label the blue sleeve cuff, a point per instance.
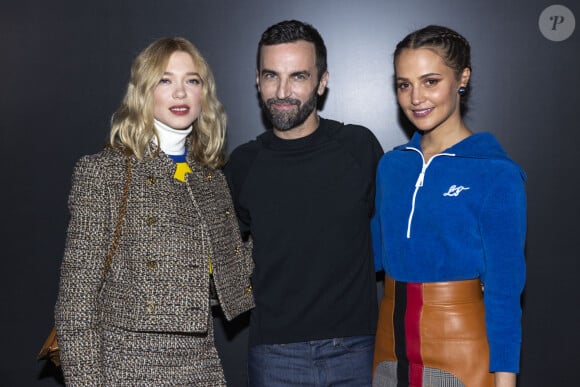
(504, 357)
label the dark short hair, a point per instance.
(289, 31)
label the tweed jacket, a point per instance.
(159, 277)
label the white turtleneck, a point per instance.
(172, 141)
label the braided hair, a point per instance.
(453, 48)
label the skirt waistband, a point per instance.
(450, 292)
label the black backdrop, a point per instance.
(65, 66)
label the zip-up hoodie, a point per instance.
(461, 215)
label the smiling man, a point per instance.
(304, 192)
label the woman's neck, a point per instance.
(171, 141)
(439, 139)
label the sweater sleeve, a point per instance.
(503, 231)
(376, 226)
(76, 311)
(236, 171)
(365, 147)
(377, 153)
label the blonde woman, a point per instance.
(146, 320)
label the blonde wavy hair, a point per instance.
(132, 125)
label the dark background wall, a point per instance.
(65, 66)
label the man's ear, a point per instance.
(322, 84)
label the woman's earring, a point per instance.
(462, 90)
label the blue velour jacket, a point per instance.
(461, 215)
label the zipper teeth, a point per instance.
(423, 169)
(412, 212)
(419, 183)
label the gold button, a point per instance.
(248, 289)
(227, 212)
(150, 307)
(236, 250)
(209, 176)
(152, 264)
(151, 180)
(151, 221)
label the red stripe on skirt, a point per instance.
(413, 333)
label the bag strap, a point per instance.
(121, 217)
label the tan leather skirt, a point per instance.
(432, 334)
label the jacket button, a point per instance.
(236, 250)
(151, 180)
(150, 307)
(248, 289)
(151, 221)
(152, 264)
(209, 176)
(227, 212)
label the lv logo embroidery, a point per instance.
(455, 190)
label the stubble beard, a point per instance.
(287, 120)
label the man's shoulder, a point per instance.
(244, 155)
(356, 138)
(350, 132)
(248, 150)
(260, 142)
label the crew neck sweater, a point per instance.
(307, 205)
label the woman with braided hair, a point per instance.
(146, 319)
(449, 232)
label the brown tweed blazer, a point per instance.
(158, 280)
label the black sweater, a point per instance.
(307, 204)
